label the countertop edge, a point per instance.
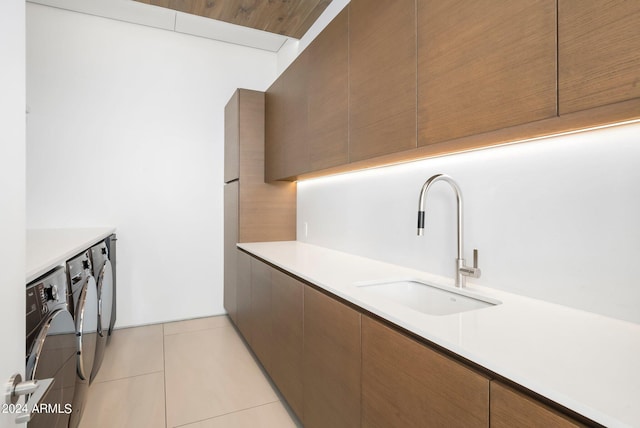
(68, 243)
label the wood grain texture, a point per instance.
(407, 384)
(261, 337)
(287, 335)
(584, 119)
(243, 293)
(510, 408)
(382, 77)
(267, 211)
(254, 211)
(232, 139)
(288, 17)
(286, 148)
(484, 65)
(275, 129)
(230, 252)
(328, 89)
(331, 362)
(599, 53)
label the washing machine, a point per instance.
(103, 274)
(111, 245)
(84, 294)
(51, 347)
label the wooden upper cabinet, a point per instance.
(382, 77)
(275, 116)
(232, 139)
(328, 90)
(286, 147)
(331, 362)
(510, 408)
(407, 384)
(266, 211)
(306, 108)
(484, 65)
(287, 335)
(599, 53)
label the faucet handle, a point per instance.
(474, 271)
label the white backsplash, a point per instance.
(554, 219)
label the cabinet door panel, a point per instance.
(328, 95)
(510, 408)
(407, 384)
(230, 249)
(484, 65)
(261, 338)
(243, 294)
(382, 77)
(232, 139)
(331, 362)
(286, 148)
(598, 44)
(266, 211)
(274, 131)
(287, 333)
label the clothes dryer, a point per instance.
(85, 301)
(103, 274)
(51, 347)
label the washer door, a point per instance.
(52, 356)
(86, 327)
(105, 298)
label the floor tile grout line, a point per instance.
(275, 389)
(207, 331)
(226, 414)
(127, 377)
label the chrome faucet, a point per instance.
(462, 271)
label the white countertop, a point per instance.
(586, 362)
(48, 248)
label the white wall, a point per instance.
(12, 193)
(555, 219)
(126, 128)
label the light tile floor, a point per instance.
(192, 374)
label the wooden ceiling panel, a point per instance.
(287, 17)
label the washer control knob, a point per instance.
(52, 292)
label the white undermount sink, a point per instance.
(428, 298)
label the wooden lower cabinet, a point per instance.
(407, 384)
(510, 408)
(331, 362)
(287, 335)
(230, 249)
(243, 295)
(260, 319)
(339, 368)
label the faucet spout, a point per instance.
(423, 196)
(461, 270)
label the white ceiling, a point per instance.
(167, 19)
